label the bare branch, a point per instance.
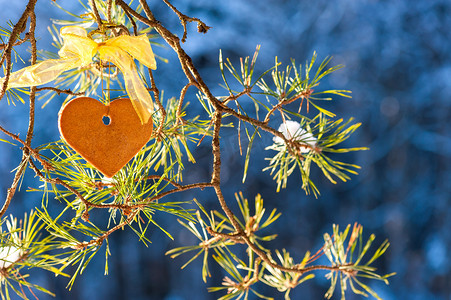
(200, 185)
(235, 237)
(99, 240)
(59, 91)
(20, 42)
(201, 27)
(108, 9)
(96, 13)
(302, 96)
(156, 94)
(25, 156)
(182, 97)
(17, 30)
(135, 28)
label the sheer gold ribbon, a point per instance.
(78, 51)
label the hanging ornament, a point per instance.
(107, 136)
(108, 147)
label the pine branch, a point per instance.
(133, 195)
(181, 99)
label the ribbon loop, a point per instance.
(78, 51)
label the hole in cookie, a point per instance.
(106, 120)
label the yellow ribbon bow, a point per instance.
(78, 51)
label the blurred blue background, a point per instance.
(398, 65)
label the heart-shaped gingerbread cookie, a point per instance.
(107, 147)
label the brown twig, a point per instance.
(17, 30)
(27, 148)
(58, 181)
(246, 282)
(100, 184)
(156, 94)
(120, 29)
(59, 91)
(32, 89)
(109, 6)
(12, 189)
(20, 42)
(96, 13)
(235, 237)
(169, 37)
(304, 94)
(132, 21)
(201, 26)
(99, 240)
(175, 184)
(233, 97)
(292, 144)
(147, 10)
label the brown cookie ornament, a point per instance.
(107, 147)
